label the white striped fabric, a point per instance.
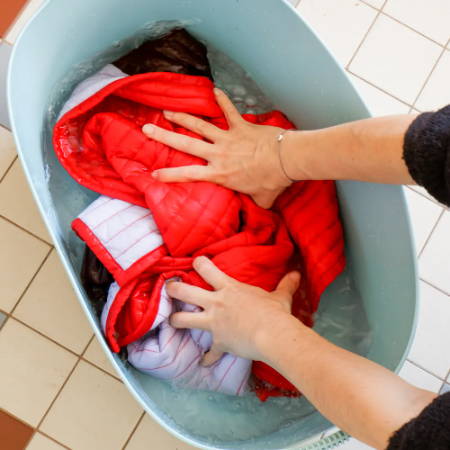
(91, 85)
(175, 355)
(127, 231)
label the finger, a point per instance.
(209, 358)
(231, 113)
(264, 200)
(185, 319)
(289, 284)
(194, 124)
(210, 273)
(185, 173)
(178, 141)
(188, 293)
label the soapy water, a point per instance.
(341, 317)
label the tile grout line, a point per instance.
(9, 167)
(1, 125)
(25, 230)
(51, 438)
(61, 388)
(56, 397)
(435, 287)
(430, 233)
(413, 29)
(83, 358)
(32, 427)
(370, 6)
(10, 315)
(31, 280)
(431, 199)
(133, 430)
(381, 9)
(73, 352)
(363, 39)
(429, 76)
(425, 370)
(378, 88)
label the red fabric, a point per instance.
(101, 145)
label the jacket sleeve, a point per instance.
(426, 151)
(429, 430)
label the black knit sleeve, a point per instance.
(426, 151)
(429, 430)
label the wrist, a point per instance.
(307, 156)
(274, 178)
(284, 334)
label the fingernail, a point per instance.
(168, 114)
(148, 128)
(155, 174)
(217, 91)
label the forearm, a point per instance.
(361, 397)
(366, 150)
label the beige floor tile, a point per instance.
(51, 307)
(17, 202)
(151, 435)
(378, 102)
(93, 411)
(375, 3)
(436, 93)
(33, 370)
(395, 58)
(7, 150)
(420, 378)
(424, 214)
(434, 263)
(96, 355)
(430, 347)
(30, 9)
(342, 25)
(41, 442)
(430, 17)
(20, 256)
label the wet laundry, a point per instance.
(145, 232)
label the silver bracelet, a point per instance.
(280, 137)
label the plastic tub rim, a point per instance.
(337, 436)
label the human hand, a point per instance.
(242, 318)
(244, 158)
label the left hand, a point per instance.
(244, 158)
(242, 318)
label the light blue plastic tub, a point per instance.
(295, 70)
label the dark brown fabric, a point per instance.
(176, 52)
(430, 430)
(427, 153)
(95, 280)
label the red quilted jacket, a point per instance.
(101, 145)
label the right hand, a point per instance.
(243, 158)
(244, 320)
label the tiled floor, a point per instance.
(58, 388)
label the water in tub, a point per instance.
(341, 317)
